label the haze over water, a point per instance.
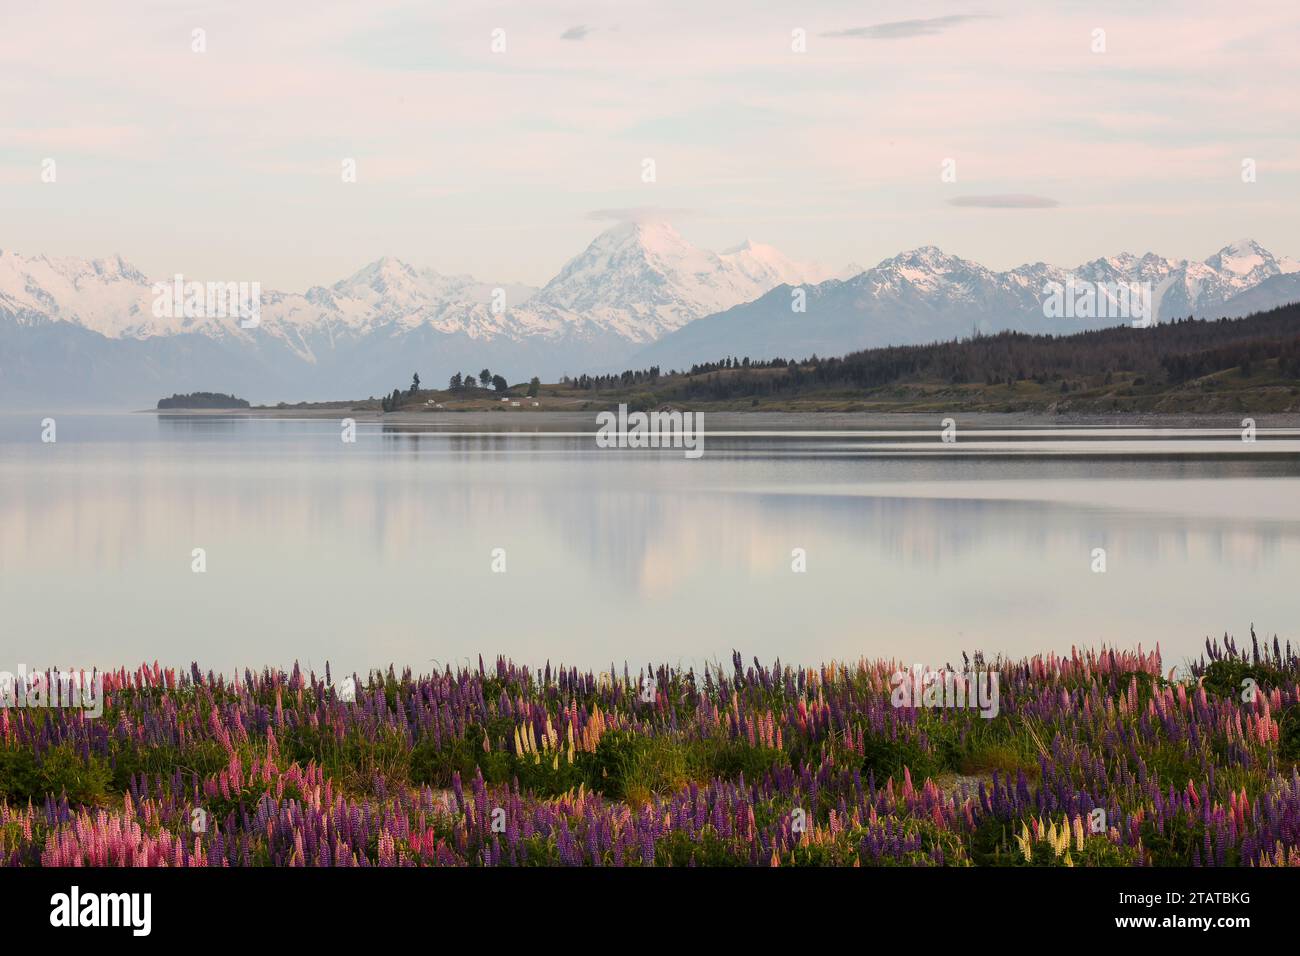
(381, 551)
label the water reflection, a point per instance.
(381, 551)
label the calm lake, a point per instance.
(382, 550)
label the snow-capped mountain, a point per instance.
(633, 283)
(113, 298)
(640, 294)
(1185, 287)
(767, 265)
(388, 291)
(642, 280)
(108, 296)
(926, 295)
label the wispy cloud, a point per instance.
(902, 29)
(639, 214)
(1004, 201)
(1149, 125)
(576, 33)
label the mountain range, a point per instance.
(926, 295)
(84, 331)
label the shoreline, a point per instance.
(758, 418)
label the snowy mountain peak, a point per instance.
(926, 295)
(925, 265)
(1242, 258)
(768, 266)
(926, 270)
(634, 284)
(1245, 246)
(381, 275)
(115, 267)
(635, 280)
(923, 252)
(648, 238)
(108, 296)
(642, 278)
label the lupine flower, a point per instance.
(1096, 729)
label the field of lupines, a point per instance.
(752, 766)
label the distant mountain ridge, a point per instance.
(925, 295)
(84, 330)
(637, 279)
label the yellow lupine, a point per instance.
(1049, 837)
(1057, 839)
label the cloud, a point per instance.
(576, 33)
(1004, 201)
(901, 29)
(639, 214)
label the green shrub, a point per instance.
(58, 771)
(1224, 677)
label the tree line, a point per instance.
(1171, 352)
(458, 383)
(203, 400)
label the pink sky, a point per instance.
(227, 162)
